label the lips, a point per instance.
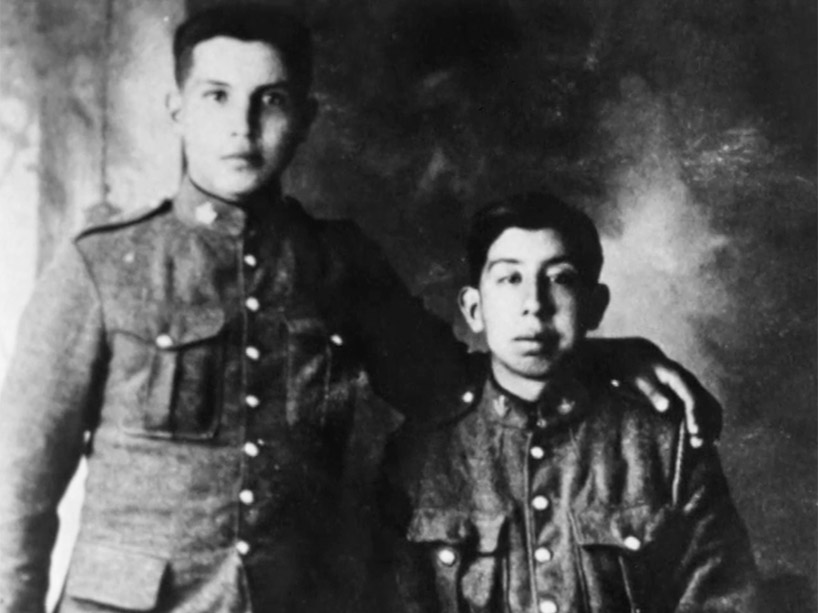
(537, 342)
(250, 157)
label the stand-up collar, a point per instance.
(561, 402)
(197, 208)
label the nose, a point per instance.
(538, 300)
(244, 119)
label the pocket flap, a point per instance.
(186, 326)
(194, 325)
(308, 326)
(626, 527)
(110, 576)
(457, 527)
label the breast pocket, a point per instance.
(620, 555)
(320, 373)
(465, 550)
(177, 368)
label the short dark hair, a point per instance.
(535, 211)
(275, 26)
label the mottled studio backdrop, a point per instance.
(687, 128)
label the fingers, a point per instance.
(699, 404)
(668, 382)
(674, 379)
(652, 389)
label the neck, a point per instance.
(531, 389)
(268, 192)
(522, 387)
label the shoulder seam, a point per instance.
(123, 221)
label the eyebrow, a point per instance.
(562, 259)
(210, 83)
(284, 84)
(493, 263)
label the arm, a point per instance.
(414, 361)
(714, 569)
(641, 364)
(46, 406)
(412, 357)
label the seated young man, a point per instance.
(555, 490)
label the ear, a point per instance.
(470, 305)
(173, 104)
(598, 301)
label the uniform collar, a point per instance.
(562, 402)
(199, 209)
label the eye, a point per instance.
(567, 277)
(510, 278)
(216, 95)
(275, 99)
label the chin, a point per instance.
(539, 367)
(236, 188)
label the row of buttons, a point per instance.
(251, 449)
(542, 555)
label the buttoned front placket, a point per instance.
(538, 439)
(250, 401)
(254, 300)
(542, 530)
(252, 355)
(257, 353)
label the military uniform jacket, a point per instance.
(585, 502)
(212, 352)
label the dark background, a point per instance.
(687, 128)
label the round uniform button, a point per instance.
(336, 339)
(252, 401)
(542, 554)
(548, 606)
(538, 453)
(206, 213)
(250, 449)
(250, 260)
(243, 547)
(247, 496)
(468, 397)
(164, 341)
(253, 353)
(540, 503)
(633, 543)
(447, 556)
(252, 304)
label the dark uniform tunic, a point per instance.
(214, 353)
(582, 502)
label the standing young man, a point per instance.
(210, 347)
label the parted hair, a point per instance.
(275, 26)
(535, 211)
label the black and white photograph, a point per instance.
(408, 306)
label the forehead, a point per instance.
(230, 60)
(528, 246)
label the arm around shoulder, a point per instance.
(412, 357)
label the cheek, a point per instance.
(199, 134)
(571, 318)
(278, 130)
(498, 317)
